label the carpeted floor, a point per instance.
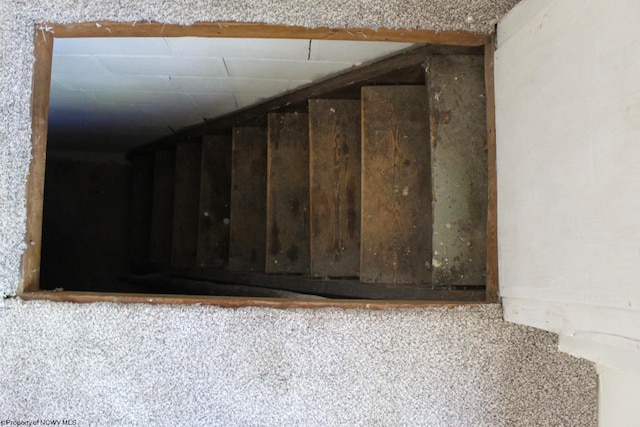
(105, 364)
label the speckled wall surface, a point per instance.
(111, 364)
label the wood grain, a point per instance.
(492, 210)
(215, 189)
(236, 302)
(259, 30)
(184, 243)
(457, 109)
(288, 193)
(396, 186)
(334, 195)
(162, 206)
(248, 248)
(41, 83)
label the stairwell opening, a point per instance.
(343, 189)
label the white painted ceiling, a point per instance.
(111, 94)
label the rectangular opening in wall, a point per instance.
(312, 167)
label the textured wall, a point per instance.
(109, 364)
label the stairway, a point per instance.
(381, 197)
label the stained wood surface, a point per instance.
(334, 158)
(288, 193)
(332, 287)
(161, 232)
(142, 172)
(43, 53)
(235, 302)
(457, 106)
(257, 30)
(215, 194)
(396, 186)
(184, 244)
(247, 248)
(492, 209)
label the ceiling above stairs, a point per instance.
(112, 94)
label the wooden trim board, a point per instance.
(259, 30)
(236, 302)
(492, 207)
(41, 83)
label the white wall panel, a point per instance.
(567, 78)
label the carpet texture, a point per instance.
(141, 365)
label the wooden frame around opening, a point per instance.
(44, 36)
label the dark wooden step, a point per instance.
(459, 169)
(186, 203)
(162, 206)
(247, 247)
(166, 284)
(334, 159)
(288, 193)
(345, 288)
(396, 186)
(142, 171)
(215, 193)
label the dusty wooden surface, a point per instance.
(162, 206)
(457, 106)
(141, 201)
(185, 205)
(492, 208)
(235, 302)
(334, 154)
(247, 248)
(396, 186)
(288, 193)
(215, 189)
(43, 55)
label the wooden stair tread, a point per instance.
(288, 193)
(247, 247)
(396, 186)
(459, 169)
(334, 191)
(214, 201)
(185, 205)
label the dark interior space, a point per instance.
(86, 224)
(367, 184)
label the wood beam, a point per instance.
(236, 302)
(492, 209)
(41, 83)
(260, 30)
